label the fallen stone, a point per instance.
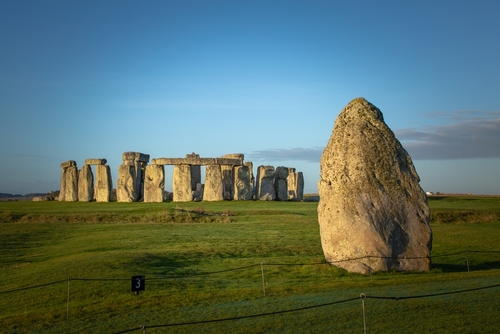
(371, 204)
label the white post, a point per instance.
(67, 304)
(263, 279)
(363, 297)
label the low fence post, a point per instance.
(467, 257)
(363, 297)
(67, 303)
(263, 279)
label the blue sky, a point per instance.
(93, 79)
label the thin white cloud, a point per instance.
(470, 135)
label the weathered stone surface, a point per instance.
(265, 184)
(135, 156)
(134, 163)
(125, 184)
(85, 184)
(235, 156)
(181, 185)
(69, 163)
(292, 183)
(281, 183)
(41, 198)
(213, 184)
(154, 183)
(371, 203)
(71, 184)
(242, 183)
(252, 178)
(300, 185)
(104, 184)
(95, 161)
(197, 161)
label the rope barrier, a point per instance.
(243, 316)
(33, 287)
(251, 266)
(362, 296)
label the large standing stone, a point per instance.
(126, 183)
(265, 184)
(300, 185)
(154, 183)
(371, 203)
(242, 183)
(181, 185)
(213, 184)
(104, 184)
(292, 184)
(280, 183)
(69, 182)
(85, 184)
(134, 165)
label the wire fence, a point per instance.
(361, 297)
(262, 266)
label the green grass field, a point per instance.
(202, 261)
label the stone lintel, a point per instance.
(95, 161)
(197, 161)
(69, 163)
(136, 156)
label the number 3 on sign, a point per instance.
(138, 284)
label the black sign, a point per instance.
(138, 283)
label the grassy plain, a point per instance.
(202, 261)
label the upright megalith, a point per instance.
(372, 209)
(228, 175)
(181, 184)
(243, 185)
(300, 185)
(154, 183)
(130, 183)
(104, 183)
(85, 184)
(295, 183)
(213, 184)
(69, 182)
(280, 183)
(265, 184)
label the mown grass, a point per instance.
(177, 245)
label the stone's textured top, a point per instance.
(281, 172)
(238, 156)
(197, 161)
(371, 201)
(95, 161)
(69, 163)
(135, 156)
